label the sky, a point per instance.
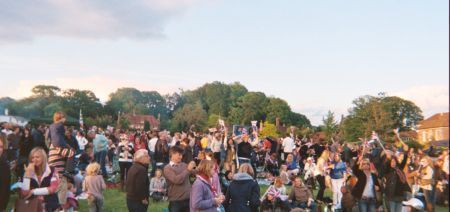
(316, 55)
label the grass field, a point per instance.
(115, 202)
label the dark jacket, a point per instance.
(243, 194)
(57, 136)
(138, 183)
(394, 188)
(5, 180)
(358, 190)
(161, 152)
(39, 140)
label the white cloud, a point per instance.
(100, 85)
(112, 19)
(430, 98)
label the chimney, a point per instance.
(277, 122)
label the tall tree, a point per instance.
(329, 125)
(188, 115)
(277, 107)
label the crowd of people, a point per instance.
(216, 170)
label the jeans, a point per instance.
(134, 206)
(179, 206)
(124, 167)
(395, 206)
(100, 158)
(304, 205)
(153, 161)
(367, 205)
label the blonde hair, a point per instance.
(92, 169)
(325, 155)
(205, 167)
(43, 154)
(57, 116)
(278, 182)
(365, 160)
(246, 168)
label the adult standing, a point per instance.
(40, 180)
(82, 141)
(426, 181)
(320, 173)
(100, 149)
(243, 192)
(138, 183)
(366, 185)
(288, 146)
(125, 150)
(337, 175)
(151, 149)
(38, 137)
(177, 175)
(5, 177)
(204, 195)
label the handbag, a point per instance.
(33, 204)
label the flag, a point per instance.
(81, 119)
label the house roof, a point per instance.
(140, 119)
(437, 120)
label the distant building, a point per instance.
(434, 128)
(138, 121)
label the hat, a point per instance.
(415, 203)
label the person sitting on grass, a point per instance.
(158, 186)
(275, 197)
(301, 196)
(94, 185)
(285, 177)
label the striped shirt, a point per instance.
(58, 157)
(123, 155)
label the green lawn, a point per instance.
(115, 202)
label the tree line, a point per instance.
(203, 106)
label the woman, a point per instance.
(243, 193)
(320, 173)
(366, 186)
(204, 195)
(158, 186)
(292, 165)
(396, 184)
(125, 151)
(337, 175)
(5, 176)
(40, 180)
(138, 144)
(426, 181)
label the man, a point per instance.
(100, 149)
(138, 183)
(38, 137)
(161, 150)
(288, 146)
(301, 196)
(177, 175)
(151, 150)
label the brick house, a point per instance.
(138, 121)
(434, 128)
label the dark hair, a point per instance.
(176, 149)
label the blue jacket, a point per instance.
(202, 197)
(338, 171)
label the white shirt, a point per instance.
(152, 144)
(288, 144)
(82, 141)
(215, 145)
(368, 189)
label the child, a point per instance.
(158, 186)
(275, 197)
(285, 178)
(94, 185)
(71, 202)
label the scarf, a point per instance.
(208, 181)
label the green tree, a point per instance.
(277, 107)
(329, 126)
(250, 107)
(74, 100)
(213, 120)
(188, 115)
(45, 91)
